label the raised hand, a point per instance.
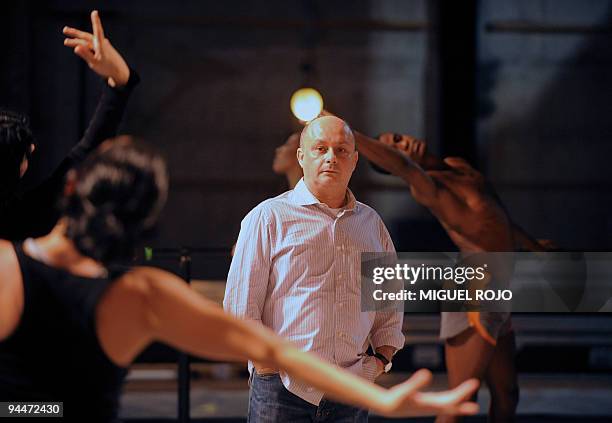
(96, 50)
(406, 399)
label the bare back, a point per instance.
(469, 212)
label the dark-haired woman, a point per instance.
(69, 326)
(33, 212)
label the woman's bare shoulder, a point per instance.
(143, 277)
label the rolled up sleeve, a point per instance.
(387, 327)
(247, 281)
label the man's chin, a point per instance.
(330, 179)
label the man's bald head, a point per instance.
(328, 157)
(325, 126)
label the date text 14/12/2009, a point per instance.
(444, 295)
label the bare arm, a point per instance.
(421, 184)
(167, 310)
(442, 202)
(11, 291)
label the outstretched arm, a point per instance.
(422, 186)
(170, 312)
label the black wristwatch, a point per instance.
(386, 363)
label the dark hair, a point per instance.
(118, 194)
(15, 143)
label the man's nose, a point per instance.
(330, 156)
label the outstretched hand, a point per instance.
(96, 50)
(406, 399)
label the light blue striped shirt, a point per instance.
(297, 269)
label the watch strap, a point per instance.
(382, 358)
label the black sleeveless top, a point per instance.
(54, 354)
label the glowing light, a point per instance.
(306, 104)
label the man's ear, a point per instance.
(355, 159)
(300, 156)
(70, 186)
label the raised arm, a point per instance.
(153, 305)
(101, 57)
(35, 210)
(422, 186)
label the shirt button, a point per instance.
(309, 389)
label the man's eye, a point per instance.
(320, 148)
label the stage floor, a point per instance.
(220, 394)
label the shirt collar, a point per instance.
(303, 197)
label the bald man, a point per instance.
(296, 269)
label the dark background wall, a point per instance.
(217, 78)
(545, 127)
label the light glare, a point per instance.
(306, 104)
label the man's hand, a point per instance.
(98, 52)
(406, 399)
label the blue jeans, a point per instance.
(271, 402)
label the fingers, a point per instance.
(386, 138)
(457, 162)
(85, 54)
(98, 31)
(417, 381)
(96, 24)
(408, 400)
(75, 33)
(466, 408)
(465, 390)
(74, 42)
(450, 397)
